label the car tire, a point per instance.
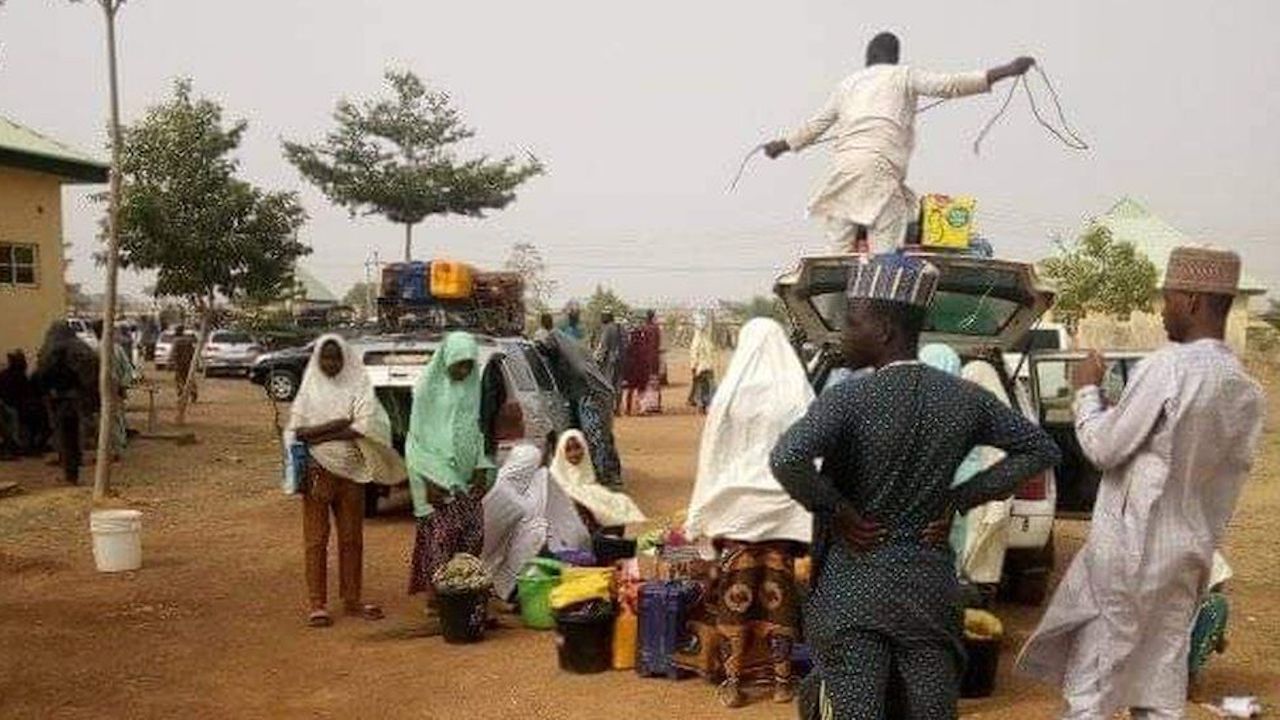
(282, 385)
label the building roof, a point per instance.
(22, 147)
(312, 289)
(1130, 221)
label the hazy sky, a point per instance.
(643, 110)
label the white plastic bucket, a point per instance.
(117, 539)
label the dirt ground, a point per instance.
(212, 626)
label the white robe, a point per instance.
(765, 391)
(523, 512)
(871, 115)
(1175, 453)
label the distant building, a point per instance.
(1130, 221)
(33, 291)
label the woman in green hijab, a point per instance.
(444, 451)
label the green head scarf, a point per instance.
(444, 445)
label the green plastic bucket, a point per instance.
(533, 587)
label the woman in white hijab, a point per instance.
(574, 474)
(525, 513)
(756, 526)
(348, 438)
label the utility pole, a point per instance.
(371, 266)
(106, 348)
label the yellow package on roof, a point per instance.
(947, 221)
(580, 585)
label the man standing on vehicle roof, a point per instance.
(884, 610)
(1174, 452)
(871, 118)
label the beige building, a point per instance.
(1130, 221)
(33, 169)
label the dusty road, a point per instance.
(212, 626)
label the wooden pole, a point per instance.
(106, 348)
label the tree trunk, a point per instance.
(106, 349)
(206, 312)
(408, 242)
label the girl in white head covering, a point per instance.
(757, 527)
(348, 439)
(524, 513)
(576, 476)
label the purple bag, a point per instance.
(578, 558)
(664, 615)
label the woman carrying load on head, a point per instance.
(756, 526)
(448, 469)
(348, 438)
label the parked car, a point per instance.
(533, 404)
(164, 347)
(229, 352)
(280, 372)
(1044, 337)
(983, 308)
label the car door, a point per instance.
(1053, 398)
(549, 396)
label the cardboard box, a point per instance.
(947, 221)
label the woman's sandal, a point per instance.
(367, 611)
(319, 619)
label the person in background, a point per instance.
(524, 515)
(150, 334)
(609, 355)
(22, 395)
(702, 364)
(757, 528)
(885, 603)
(546, 325)
(1175, 452)
(122, 378)
(572, 325)
(448, 469)
(182, 354)
(591, 398)
(348, 437)
(67, 375)
(601, 509)
(644, 358)
(870, 117)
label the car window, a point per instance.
(398, 357)
(1040, 339)
(539, 367)
(969, 301)
(231, 338)
(520, 374)
(1057, 395)
(166, 338)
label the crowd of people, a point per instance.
(892, 484)
(55, 406)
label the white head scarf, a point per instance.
(580, 484)
(348, 394)
(764, 392)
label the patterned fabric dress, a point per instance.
(890, 444)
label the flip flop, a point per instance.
(367, 611)
(319, 619)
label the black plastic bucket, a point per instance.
(609, 549)
(584, 641)
(980, 674)
(463, 615)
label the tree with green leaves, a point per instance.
(1099, 274)
(396, 158)
(363, 298)
(526, 260)
(186, 216)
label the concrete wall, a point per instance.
(1145, 331)
(31, 213)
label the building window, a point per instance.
(17, 264)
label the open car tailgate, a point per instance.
(981, 302)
